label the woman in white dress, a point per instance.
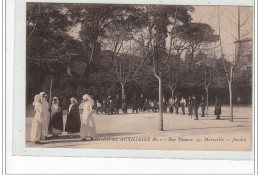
(88, 126)
(46, 114)
(36, 130)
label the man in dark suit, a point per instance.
(135, 104)
(177, 105)
(117, 104)
(124, 105)
(194, 105)
(164, 105)
(171, 105)
(189, 105)
(141, 103)
(203, 106)
(218, 107)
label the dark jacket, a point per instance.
(189, 101)
(194, 104)
(117, 102)
(134, 102)
(218, 106)
(57, 120)
(73, 120)
(203, 102)
(141, 101)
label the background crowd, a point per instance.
(111, 105)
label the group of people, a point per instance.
(112, 105)
(48, 118)
(193, 105)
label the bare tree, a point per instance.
(179, 46)
(123, 66)
(158, 30)
(207, 63)
(234, 66)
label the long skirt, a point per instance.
(45, 124)
(88, 128)
(57, 123)
(36, 130)
(73, 123)
(171, 109)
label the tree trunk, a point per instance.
(172, 92)
(207, 100)
(160, 100)
(123, 93)
(50, 100)
(230, 94)
(230, 102)
(38, 78)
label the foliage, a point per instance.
(115, 44)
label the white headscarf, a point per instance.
(74, 99)
(42, 94)
(56, 99)
(36, 99)
(87, 97)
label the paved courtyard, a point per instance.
(142, 131)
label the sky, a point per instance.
(228, 21)
(228, 24)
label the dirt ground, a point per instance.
(142, 131)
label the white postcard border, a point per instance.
(16, 124)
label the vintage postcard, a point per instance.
(154, 77)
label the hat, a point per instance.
(55, 98)
(42, 94)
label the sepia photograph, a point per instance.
(139, 77)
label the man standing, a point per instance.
(177, 105)
(189, 105)
(141, 103)
(124, 106)
(156, 105)
(146, 105)
(111, 106)
(117, 103)
(104, 107)
(203, 105)
(183, 104)
(108, 98)
(171, 105)
(164, 105)
(194, 105)
(218, 107)
(135, 104)
(151, 105)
